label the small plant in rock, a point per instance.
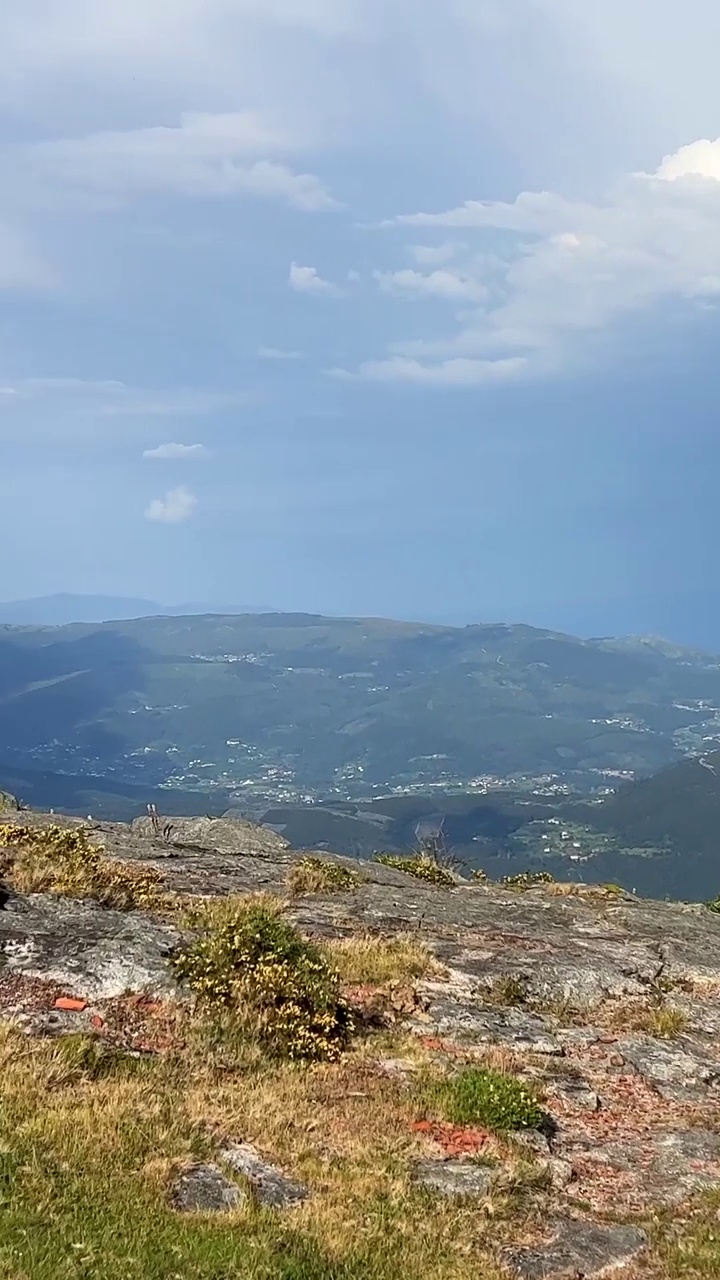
(527, 879)
(419, 865)
(508, 991)
(714, 904)
(480, 876)
(280, 988)
(62, 860)
(479, 1096)
(315, 875)
(665, 1022)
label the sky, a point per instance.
(364, 307)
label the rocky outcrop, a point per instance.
(607, 1002)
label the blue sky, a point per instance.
(363, 307)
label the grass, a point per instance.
(686, 1245)
(282, 991)
(483, 1096)
(86, 1167)
(316, 875)
(378, 960)
(662, 1021)
(420, 865)
(64, 861)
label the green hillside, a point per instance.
(677, 809)
(282, 706)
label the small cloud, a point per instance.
(307, 280)
(171, 452)
(354, 277)
(275, 353)
(428, 255)
(448, 373)
(448, 285)
(177, 506)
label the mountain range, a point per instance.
(64, 608)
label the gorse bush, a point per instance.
(280, 988)
(527, 880)
(62, 860)
(315, 875)
(420, 865)
(477, 1096)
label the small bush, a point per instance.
(419, 865)
(480, 876)
(478, 1096)
(527, 879)
(315, 875)
(62, 860)
(280, 988)
(714, 905)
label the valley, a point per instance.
(515, 747)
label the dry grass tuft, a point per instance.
(316, 875)
(366, 958)
(64, 861)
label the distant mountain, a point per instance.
(64, 609)
(290, 704)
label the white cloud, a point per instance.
(177, 452)
(206, 155)
(275, 353)
(457, 372)
(428, 255)
(700, 159)
(177, 506)
(307, 280)
(552, 271)
(450, 285)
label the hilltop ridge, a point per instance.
(601, 1004)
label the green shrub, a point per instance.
(526, 879)
(714, 905)
(280, 988)
(477, 1096)
(419, 865)
(315, 875)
